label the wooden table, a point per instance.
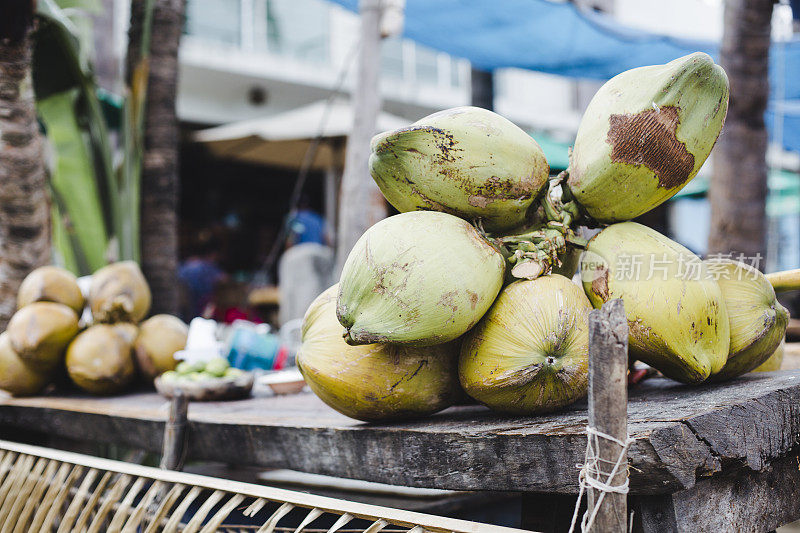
(710, 458)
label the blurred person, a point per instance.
(305, 225)
(200, 274)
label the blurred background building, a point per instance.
(242, 60)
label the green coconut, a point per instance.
(16, 376)
(774, 361)
(530, 353)
(418, 278)
(51, 284)
(645, 135)
(99, 360)
(119, 293)
(159, 338)
(676, 312)
(373, 382)
(40, 332)
(466, 161)
(757, 320)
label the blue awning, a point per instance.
(558, 38)
(537, 35)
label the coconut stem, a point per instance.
(347, 338)
(786, 280)
(536, 251)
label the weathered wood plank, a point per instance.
(681, 433)
(739, 500)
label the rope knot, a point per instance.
(592, 475)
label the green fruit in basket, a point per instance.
(374, 382)
(530, 353)
(40, 332)
(676, 311)
(645, 134)
(119, 293)
(51, 284)
(465, 161)
(217, 366)
(184, 368)
(169, 376)
(234, 372)
(99, 361)
(757, 320)
(16, 376)
(419, 278)
(160, 336)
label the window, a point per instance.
(392, 58)
(427, 66)
(298, 28)
(214, 20)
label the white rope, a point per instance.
(591, 475)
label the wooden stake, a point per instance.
(174, 449)
(608, 407)
(361, 203)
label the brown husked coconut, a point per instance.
(40, 332)
(119, 293)
(159, 338)
(99, 360)
(51, 284)
(16, 377)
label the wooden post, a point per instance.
(331, 193)
(174, 448)
(608, 407)
(361, 203)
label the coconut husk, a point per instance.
(51, 284)
(99, 360)
(119, 293)
(40, 332)
(16, 376)
(159, 338)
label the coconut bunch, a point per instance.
(478, 261)
(46, 336)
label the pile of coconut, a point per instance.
(99, 340)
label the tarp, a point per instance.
(558, 38)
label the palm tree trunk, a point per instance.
(24, 203)
(739, 186)
(159, 181)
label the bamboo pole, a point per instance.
(786, 280)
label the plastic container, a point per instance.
(252, 347)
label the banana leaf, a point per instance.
(79, 229)
(62, 65)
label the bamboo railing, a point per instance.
(43, 489)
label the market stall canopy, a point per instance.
(560, 38)
(283, 139)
